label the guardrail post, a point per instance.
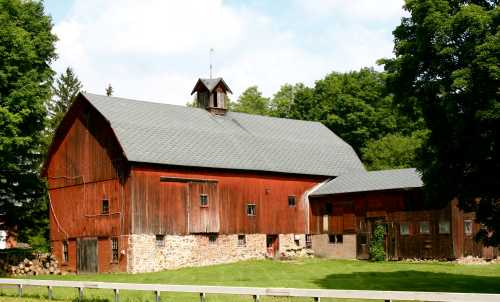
(117, 295)
(317, 299)
(256, 298)
(20, 290)
(387, 300)
(49, 292)
(157, 295)
(202, 297)
(80, 294)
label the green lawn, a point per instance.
(310, 273)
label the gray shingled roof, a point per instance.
(178, 135)
(371, 181)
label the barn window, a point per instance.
(242, 240)
(291, 201)
(212, 238)
(308, 241)
(335, 238)
(65, 251)
(251, 209)
(105, 207)
(424, 227)
(404, 228)
(444, 227)
(114, 249)
(160, 240)
(203, 200)
(468, 227)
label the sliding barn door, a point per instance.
(203, 207)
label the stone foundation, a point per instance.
(293, 245)
(196, 250)
(190, 250)
(344, 250)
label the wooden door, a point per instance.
(86, 255)
(203, 207)
(272, 245)
(390, 241)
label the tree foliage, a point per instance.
(65, 90)
(393, 151)
(109, 90)
(447, 66)
(251, 101)
(26, 51)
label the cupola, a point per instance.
(211, 94)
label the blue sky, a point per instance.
(156, 49)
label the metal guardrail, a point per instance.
(255, 292)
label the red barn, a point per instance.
(138, 186)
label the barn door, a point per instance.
(272, 245)
(86, 255)
(203, 208)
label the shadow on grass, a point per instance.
(411, 281)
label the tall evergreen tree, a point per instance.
(26, 52)
(447, 66)
(65, 90)
(109, 90)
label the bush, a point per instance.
(377, 249)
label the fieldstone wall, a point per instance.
(293, 245)
(190, 250)
(344, 250)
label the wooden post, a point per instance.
(117, 295)
(49, 292)
(256, 298)
(387, 300)
(202, 297)
(80, 294)
(20, 290)
(157, 295)
(317, 299)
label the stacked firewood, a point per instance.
(41, 264)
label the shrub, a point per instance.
(377, 250)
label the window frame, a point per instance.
(242, 240)
(65, 251)
(115, 250)
(466, 232)
(407, 233)
(308, 240)
(212, 238)
(204, 196)
(448, 229)
(424, 222)
(331, 239)
(252, 213)
(105, 209)
(292, 201)
(159, 243)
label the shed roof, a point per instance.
(178, 135)
(361, 181)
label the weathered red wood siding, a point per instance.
(85, 167)
(161, 207)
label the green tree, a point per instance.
(26, 52)
(447, 65)
(393, 151)
(65, 90)
(109, 90)
(251, 101)
(282, 102)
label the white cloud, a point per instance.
(155, 50)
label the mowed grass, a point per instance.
(307, 273)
